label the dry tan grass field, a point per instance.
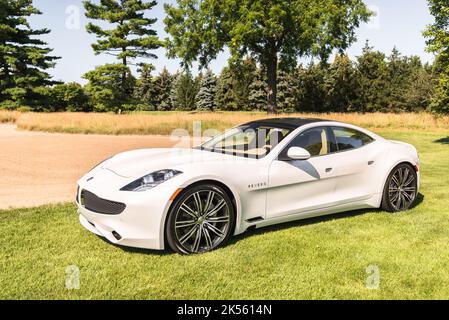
(163, 123)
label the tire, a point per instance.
(400, 189)
(201, 219)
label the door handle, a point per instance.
(328, 170)
(370, 162)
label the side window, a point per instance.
(347, 138)
(314, 140)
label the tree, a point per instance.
(269, 31)
(131, 35)
(420, 90)
(184, 91)
(69, 97)
(340, 84)
(287, 91)
(174, 90)
(205, 99)
(106, 89)
(312, 93)
(143, 91)
(154, 92)
(257, 99)
(401, 68)
(24, 58)
(162, 85)
(234, 85)
(226, 98)
(437, 35)
(373, 80)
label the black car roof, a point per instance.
(290, 123)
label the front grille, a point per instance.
(93, 203)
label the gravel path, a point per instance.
(38, 168)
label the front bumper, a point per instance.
(142, 222)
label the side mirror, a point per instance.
(297, 153)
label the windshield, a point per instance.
(249, 141)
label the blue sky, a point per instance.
(399, 22)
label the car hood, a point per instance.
(137, 163)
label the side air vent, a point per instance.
(256, 219)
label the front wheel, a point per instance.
(201, 219)
(400, 188)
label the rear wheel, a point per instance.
(400, 189)
(201, 219)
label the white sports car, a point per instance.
(257, 174)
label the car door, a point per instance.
(355, 164)
(297, 186)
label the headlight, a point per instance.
(151, 180)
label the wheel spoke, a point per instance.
(218, 219)
(395, 180)
(395, 197)
(188, 210)
(399, 201)
(393, 189)
(214, 229)
(409, 189)
(210, 198)
(217, 208)
(404, 202)
(405, 176)
(208, 238)
(188, 235)
(196, 244)
(197, 198)
(183, 224)
(400, 175)
(407, 196)
(409, 180)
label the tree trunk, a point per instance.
(125, 63)
(272, 68)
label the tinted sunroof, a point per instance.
(286, 122)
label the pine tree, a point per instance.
(257, 99)
(226, 98)
(131, 35)
(372, 77)
(400, 71)
(234, 85)
(312, 91)
(184, 90)
(205, 99)
(24, 58)
(340, 84)
(162, 85)
(143, 92)
(287, 91)
(174, 101)
(245, 73)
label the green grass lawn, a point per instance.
(322, 258)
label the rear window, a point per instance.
(347, 138)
